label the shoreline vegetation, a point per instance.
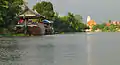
(106, 27)
(61, 24)
(9, 17)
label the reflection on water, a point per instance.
(104, 48)
(45, 54)
(46, 50)
(17, 51)
(9, 51)
(89, 49)
(65, 49)
(70, 50)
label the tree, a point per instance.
(9, 11)
(95, 27)
(79, 18)
(109, 21)
(101, 26)
(112, 28)
(68, 23)
(105, 29)
(45, 8)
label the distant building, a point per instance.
(88, 18)
(108, 24)
(113, 22)
(90, 23)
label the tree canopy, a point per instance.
(69, 23)
(45, 8)
(9, 9)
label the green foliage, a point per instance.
(45, 8)
(69, 23)
(112, 28)
(104, 28)
(109, 21)
(79, 18)
(9, 11)
(95, 27)
(101, 26)
(98, 26)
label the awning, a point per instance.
(46, 21)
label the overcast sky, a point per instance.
(99, 10)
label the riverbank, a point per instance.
(14, 35)
(26, 35)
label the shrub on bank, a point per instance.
(104, 28)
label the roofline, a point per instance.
(27, 8)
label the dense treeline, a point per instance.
(68, 23)
(104, 28)
(10, 10)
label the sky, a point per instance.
(99, 10)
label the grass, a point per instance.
(18, 35)
(5, 35)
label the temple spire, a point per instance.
(88, 18)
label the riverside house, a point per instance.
(113, 22)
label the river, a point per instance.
(63, 49)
